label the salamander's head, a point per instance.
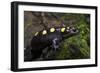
(69, 32)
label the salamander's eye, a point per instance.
(36, 33)
(73, 28)
(44, 32)
(52, 29)
(63, 29)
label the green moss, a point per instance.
(81, 41)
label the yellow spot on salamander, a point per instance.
(62, 29)
(52, 29)
(36, 33)
(44, 32)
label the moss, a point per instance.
(81, 41)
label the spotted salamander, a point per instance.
(51, 37)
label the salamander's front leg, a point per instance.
(55, 44)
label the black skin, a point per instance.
(51, 39)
